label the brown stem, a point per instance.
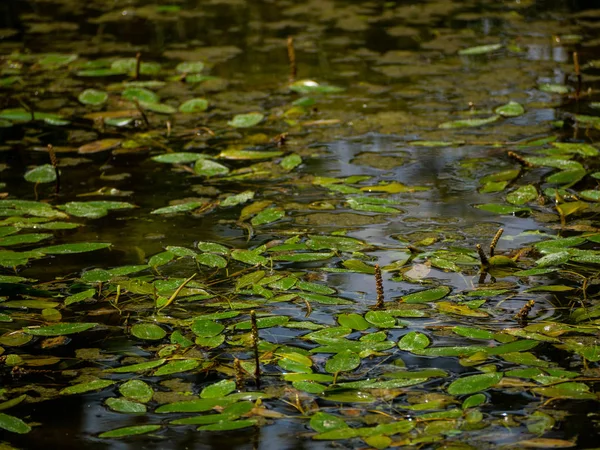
(255, 347)
(577, 73)
(239, 374)
(484, 260)
(495, 241)
(291, 58)
(138, 63)
(379, 285)
(54, 162)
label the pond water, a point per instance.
(391, 206)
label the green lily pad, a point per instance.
(129, 431)
(13, 424)
(41, 174)
(480, 49)
(474, 383)
(148, 331)
(246, 120)
(93, 97)
(67, 249)
(59, 329)
(194, 105)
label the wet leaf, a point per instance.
(93, 97)
(480, 49)
(19, 239)
(246, 120)
(135, 368)
(148, 331)
(80, 388)
(67, 249)
(503, 209)
(511, 109)
(136, 390)
(13, 424)
(194, 105)
(190, 67)
(123, 405)
(468, 123)
(170, 368)
(94, 209)
(103, 145)
(354, 321)
(41, 174)
(322, 422)
(343, 361)
(522, 195)
(129, 431)
(429, 295)
(140, 94)
(268, 215)
(310, 87)
(413, 340)
(218, 389)
(197, 405)
(210, 260)
(474, 383)
(545, 443)
(249, 154)
(59, 329)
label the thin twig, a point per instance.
(138, 63)
(255, 347)
(291, 58)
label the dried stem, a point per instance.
(239, 374)
(138, 63)
(54, 162)
(519, 159)
(142, 112)
(484, 259)
(255, 346)
(577, 73)
(379, 285)
(291, 58)
(495, 241)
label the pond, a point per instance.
(282, 225)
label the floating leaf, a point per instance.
(209, 168)
(148, 331)
(41, 174)
(194, 105)
(322, 422)
(123, 405)
(179, 208)
(503, 209)
(190, 67)
(474, 383)
(80, 388)
(268, 215)
(94, 209)
(13, 424)
(522, 195)
(59, 329)
(19, 239)
(413, 340)
(343, 361)
(183, 365)
(93, 97)
(308, 87)
(103, 145)
(354, 321)
(140, 94)
(136, 390)
(219, 389)
(129, 431)
(429, 295)
(511, 109)
(67, 249)
(480, 49)
(246, 120)
(468, 123)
